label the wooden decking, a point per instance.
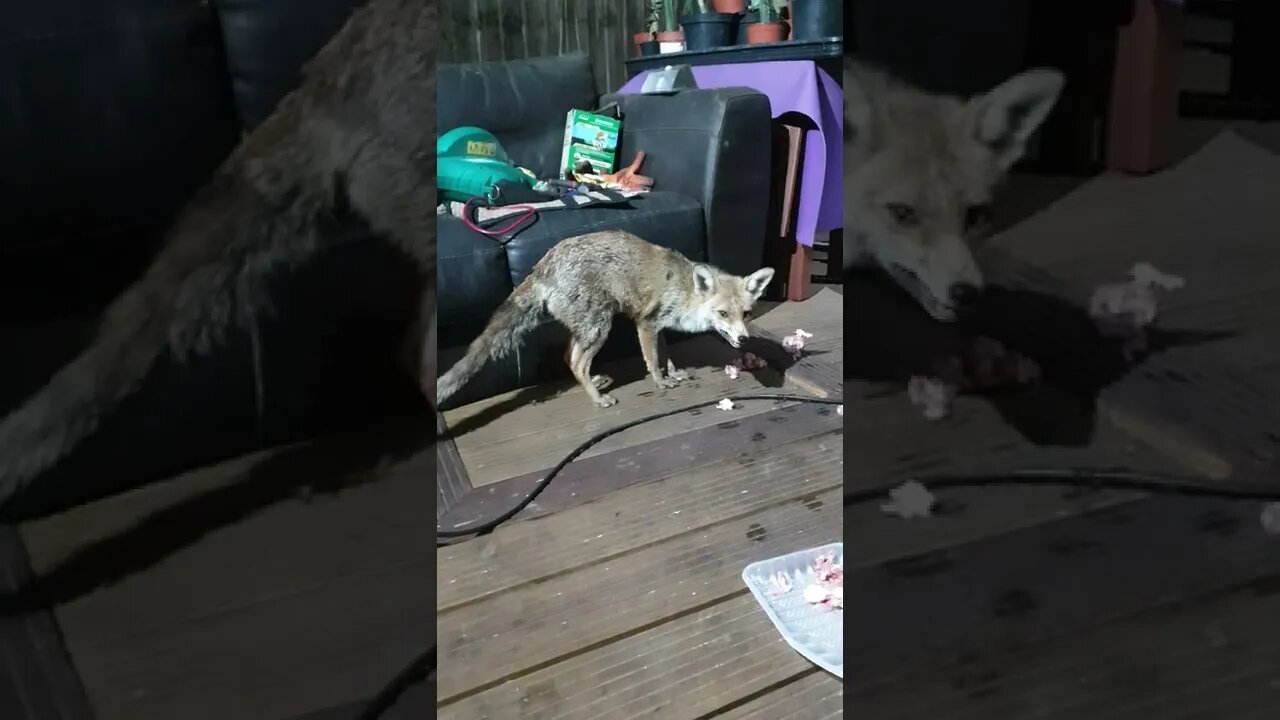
(624, 597)
(291, 584)
(1052, 603)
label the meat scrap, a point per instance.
(931, 394)
(909, 500)
(988, 365)
(1122, 311)
(748, 361)
(794, 343)
(828, 586)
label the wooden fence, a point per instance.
(472, 30)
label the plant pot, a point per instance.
(704, 31)
(639, 39)
(760, 33)
(740, 32)
(649, 48)
(670, 41)
(730, 6)
(817, 19)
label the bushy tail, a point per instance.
(515, 317)
(184, 302)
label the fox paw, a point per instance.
(605, 401)
(666, 383)
(677, 375)
(601, 381)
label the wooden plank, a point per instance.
(511, 24)
(489, 30)
(508, 635)
(452, 483)
(510, 435)
(892, 440)
(816, 696)
(821, 369)
(1211, 657)
(37, 679)
(1050, 581)
(690, 667)
(628, 521)
(586, 480)
(227, 593)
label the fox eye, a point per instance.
(723, 313)
(977, 215)
(902, 214)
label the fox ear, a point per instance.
(1005, 117)
(704, 281)
(758, 281)
(857, 105)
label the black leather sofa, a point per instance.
(112, 112)
(707, 150)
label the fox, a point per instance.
(920, 173)
(584, 281)
(356, 136)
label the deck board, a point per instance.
(528, 430)
(560, 616)
(233, 593)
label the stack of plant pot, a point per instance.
(707, 24)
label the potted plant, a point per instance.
(733, 7)
(817, 19)
(768, 27)
(645, 42)
(704, 28)
(670, 36)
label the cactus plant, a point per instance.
(662, 13)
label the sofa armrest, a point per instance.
(714, 146)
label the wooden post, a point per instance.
(1144, 90)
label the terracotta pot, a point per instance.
(761, 33)
(639, 39)
(671, 41)
(730, 6)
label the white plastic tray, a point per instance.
(815, 632)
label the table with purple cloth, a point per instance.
(793, 86)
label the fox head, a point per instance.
(723, 302)
(920, 171)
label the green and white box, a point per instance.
(591, 138)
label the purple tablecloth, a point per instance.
(794, 86)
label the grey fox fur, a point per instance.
(584, 281)
(920, 171)
(358, 134)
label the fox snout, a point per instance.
(735, 337)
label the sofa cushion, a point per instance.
(87, 146)
(522, 102)
(473, 279)
(268, 41)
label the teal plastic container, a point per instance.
(469, 162)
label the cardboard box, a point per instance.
(590, 138)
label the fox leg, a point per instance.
(672, 372)
(651, 346)
(599, 381)
(581, 352)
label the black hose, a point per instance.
(489, 525)
(1084, 478)
(414, 673)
